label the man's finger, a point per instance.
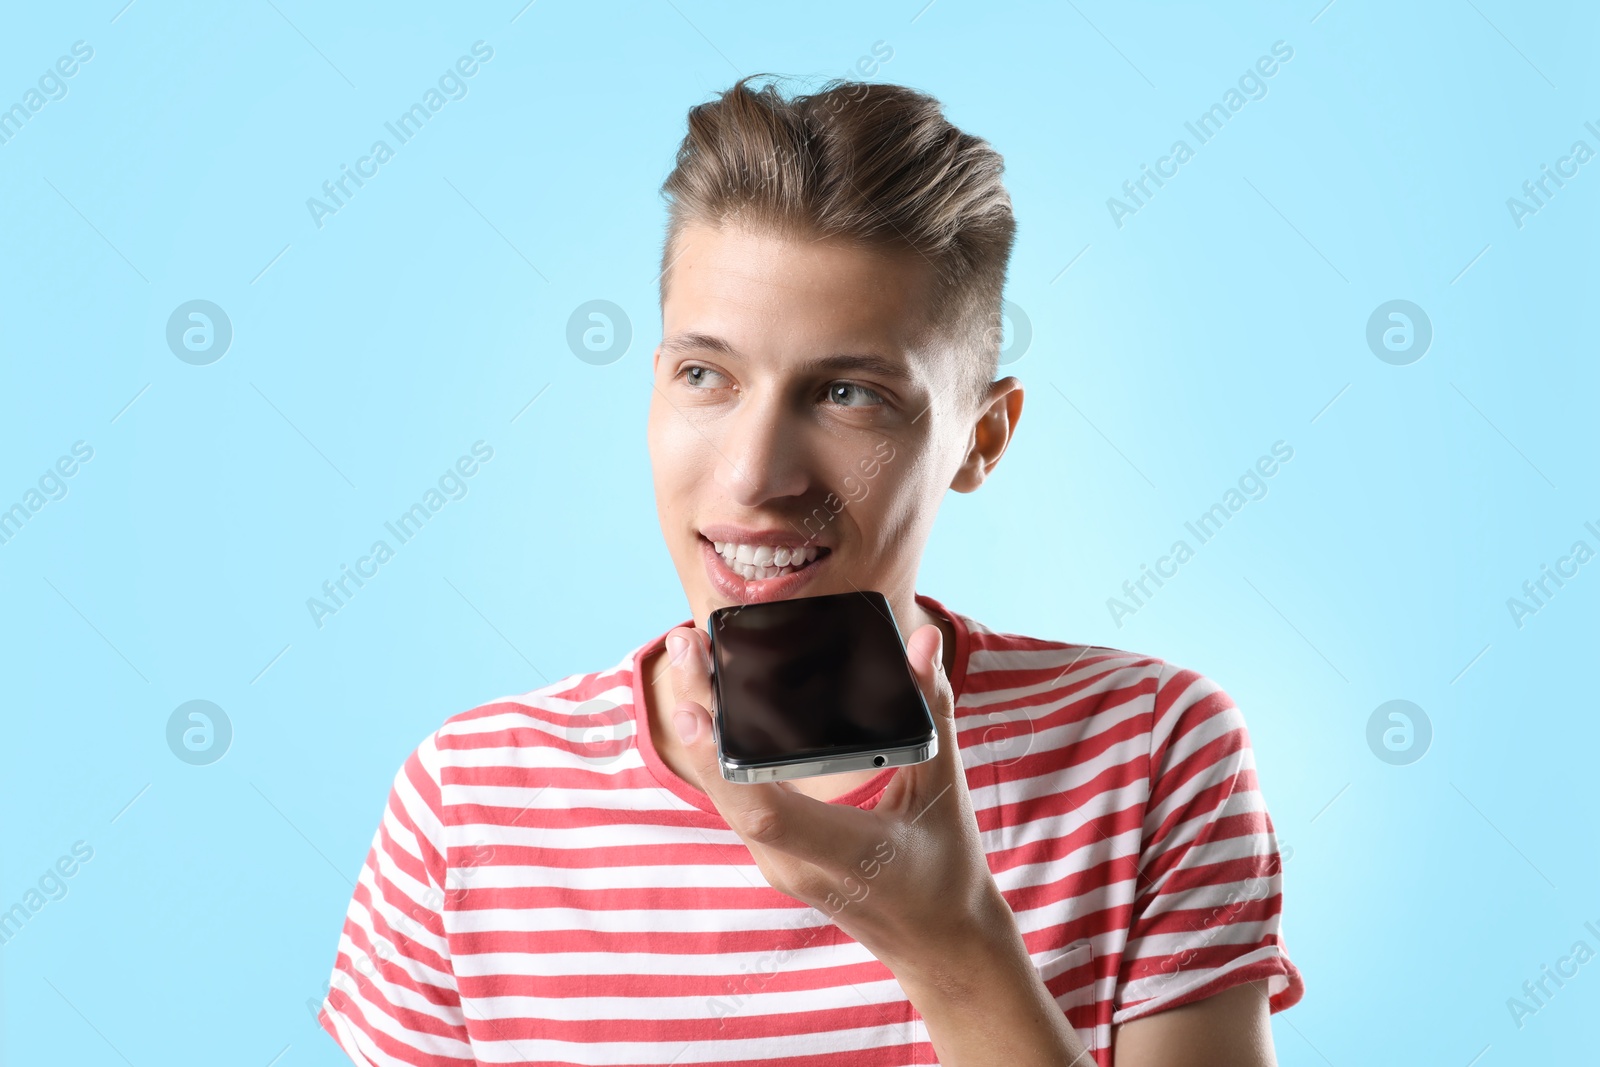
(925, 652)
(689, 665)
(770, 814)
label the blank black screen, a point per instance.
(814, 675)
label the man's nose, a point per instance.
(761, 454)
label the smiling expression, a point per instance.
(804, 425)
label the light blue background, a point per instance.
(1224, 316)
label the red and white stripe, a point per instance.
(537, 894)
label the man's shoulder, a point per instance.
(596, 698)
(1000, 659)
(1007, 667)
(1085, 710)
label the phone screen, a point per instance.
(813, 675)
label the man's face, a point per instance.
(800, 419)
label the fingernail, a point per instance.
(677, 644)
(687, 724)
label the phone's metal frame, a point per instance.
(752, 773)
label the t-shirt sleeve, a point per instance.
(1210, 885)
(392, 999)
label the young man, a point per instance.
(1086, 871)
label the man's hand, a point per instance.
(908, 879)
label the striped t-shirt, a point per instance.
(543, 889)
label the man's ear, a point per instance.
(991, 433)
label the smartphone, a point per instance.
(814, 685)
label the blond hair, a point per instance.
(872, 162)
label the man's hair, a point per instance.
(872, 162)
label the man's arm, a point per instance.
(1229, 1027)
(984, 1003)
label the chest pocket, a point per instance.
(1069, 976)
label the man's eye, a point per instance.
(841, 393)
(698, 376)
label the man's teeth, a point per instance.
(754, 562)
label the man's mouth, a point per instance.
(758, 562)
